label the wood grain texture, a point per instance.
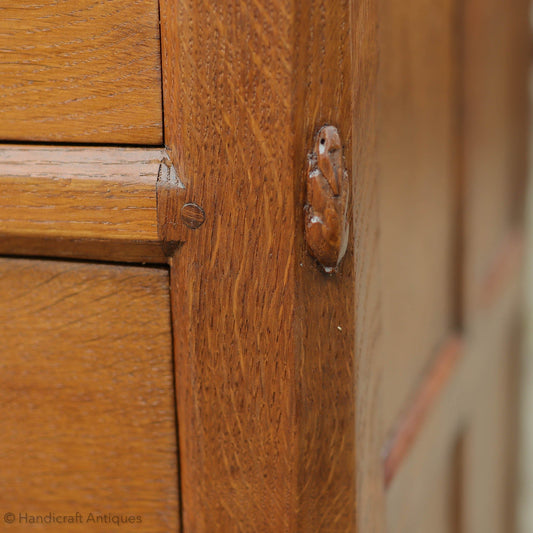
(93, 249)
(265, 342)
(80, 197)
(86, 71)
(86, 394)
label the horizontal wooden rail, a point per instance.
(86, 202)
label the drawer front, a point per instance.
(86, 394)
(84, 71)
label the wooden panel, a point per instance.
(84, 71)
(81, 196)
(412, 420)
(416, 160)
(432, 495)
(490, 455)
(86, 393)
(502, 274)
(461, 458)
(420, 496)
(452, 158)
(495, 95)
(265, 341)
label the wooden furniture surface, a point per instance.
(416, 153)
(84, 71)
(90, 203)
(86, 388)
(380, 396)
(453, 158)
(265, 341)
(107, 193)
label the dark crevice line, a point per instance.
(172, 311)
(458, 132)
(53, 144)
(175, 385)
(161, 72)
(108, 262)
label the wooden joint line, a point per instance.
(99, 203)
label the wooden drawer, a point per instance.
(86, 393)
(84, 71)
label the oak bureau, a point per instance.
(260, 264)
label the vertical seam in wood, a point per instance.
(174, 383)
(458, 155)
(161, 72)
(170, 197)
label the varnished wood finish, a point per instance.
(80, 197)
(369, 357)
(289, 381)
(264, 341)
(86, 389)
(173, 223)
(93, 249)
(85, 71)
